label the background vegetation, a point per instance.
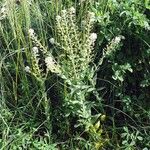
(74, 74)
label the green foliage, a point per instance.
(74, 74)
(120, 70)
(130, 139)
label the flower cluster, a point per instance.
(27, 69)
(35, 50)
(52, 65)
(117, 39)
(72, 10)
(93, 37)
(113, 45)
(37, 70)
(35, 41)
(40, 52)
(111, 48)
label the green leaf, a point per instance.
(124, 142)
(140, 138)
(123, 135)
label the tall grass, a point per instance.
(66, 72)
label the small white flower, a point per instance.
(117, 39)
(72, 10)
(52, 40)
(58, 18)
(93, 37)
(35, 50)
(31, 32)
(3, 10)
(49, 61)
(27, 69)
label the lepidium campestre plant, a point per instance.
(38, 52)
(74, 58)
(76, 55)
